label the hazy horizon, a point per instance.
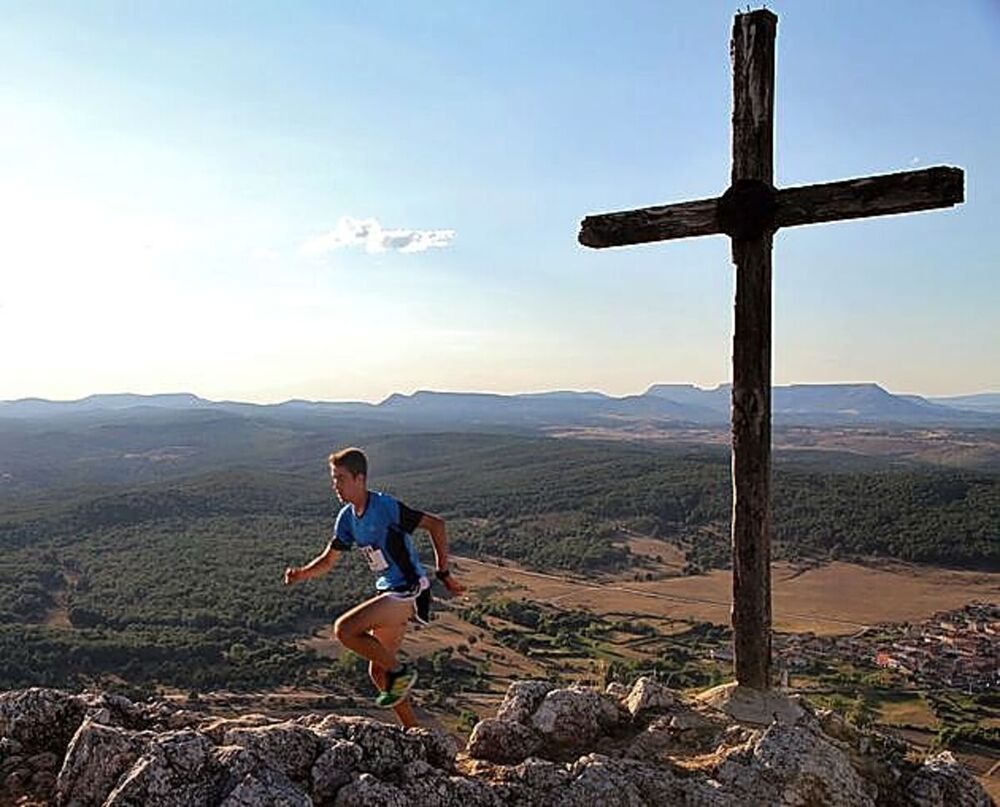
(533, 391)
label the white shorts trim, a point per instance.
(408, 596)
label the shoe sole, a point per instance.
(385, 704)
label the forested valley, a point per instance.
(178, 583)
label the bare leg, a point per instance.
(391, 639)
(374, 630)
(354, 629)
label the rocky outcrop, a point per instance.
(643, 745)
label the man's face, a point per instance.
(346, 485)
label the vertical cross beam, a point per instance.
(749, 212)
(752, 51)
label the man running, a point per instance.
(381, 527)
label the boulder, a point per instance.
(648, 695)
(336, 766)
(502, 741)
(573, 717)
(175, 771)
(40, 719)
(96, 758)
(596, 779)
(266, 786)
(672, 751)
(943, 782)
(427, 786)
(368, 791)
(795, 765)
(522, 699)
(440, 748)
(285, 747)
(531, 783)
(385, 747)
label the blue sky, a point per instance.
(341, 200)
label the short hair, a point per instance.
(353, 459)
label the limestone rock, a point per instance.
(286, 747)
(617, 690)
(795, 765)
(532, 783)
(450, 791)
(753, 706)
(427, 786)
(266, 786)
(942, 782)
(693, 755)
(385, 747)
(96, 758)
(646, 695)
(574, 717)
(440, 749)
(9, 747)
(40, 719)
(686, 731)
(595, 779)
(42, 781)
(522, 699)
(175, 771)
(598, 779)
(232, 765)
(368, 791)
(217, 727)
(502, 741)
(117, 710)
(336, 766)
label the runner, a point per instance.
(381, 527)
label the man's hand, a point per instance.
(292, 575)
(453, 586)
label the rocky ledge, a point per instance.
(644, 745)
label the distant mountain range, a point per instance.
(663, 404)
(135, 439)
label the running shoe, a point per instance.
(397, 686)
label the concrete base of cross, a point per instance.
(755, 707)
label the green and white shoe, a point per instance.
(398, 686)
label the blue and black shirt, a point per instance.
(383, 534)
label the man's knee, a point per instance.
(342, 628)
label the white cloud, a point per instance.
(370, 235)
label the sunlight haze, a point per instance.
(338, 201)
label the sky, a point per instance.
(341, 200)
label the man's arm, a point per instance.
(318, 566)
(439, 538)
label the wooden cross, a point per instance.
(749, 212)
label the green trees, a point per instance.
(181, 582)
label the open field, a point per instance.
(831, 599)
(834, 599)
(949, 447)
(910, 711)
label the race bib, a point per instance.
(374, 558)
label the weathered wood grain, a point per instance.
(661, 223)
(882, 195)
(753, 124)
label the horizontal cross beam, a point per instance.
(887, 194)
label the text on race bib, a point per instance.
(374, 558)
